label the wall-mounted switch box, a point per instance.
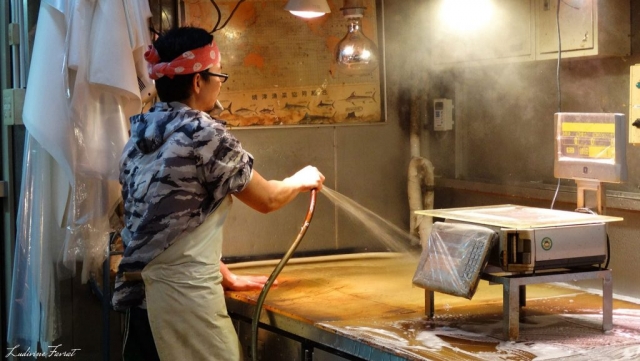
(442, 114)
(12, 103)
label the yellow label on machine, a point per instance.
(588, 140)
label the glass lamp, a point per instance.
(355, 54)
(308, 8)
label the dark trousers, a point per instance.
(138, 339)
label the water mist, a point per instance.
(393, 237)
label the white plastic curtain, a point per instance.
(82, 88)
(34, 298)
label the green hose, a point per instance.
(274, 275)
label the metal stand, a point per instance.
(514, 294)
(584, 185)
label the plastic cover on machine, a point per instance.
(454, 257)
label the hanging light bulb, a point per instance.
(308, 8)
(355, 54)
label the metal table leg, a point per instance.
(511, 309)
(607, 301)
(429, 303)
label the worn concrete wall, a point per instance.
(504, 113)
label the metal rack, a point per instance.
(514, 294)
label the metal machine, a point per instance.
(524, 250)
(564, 244)
(537, 238)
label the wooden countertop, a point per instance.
(330, 291)
(373, 301)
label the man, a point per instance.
(178, 172)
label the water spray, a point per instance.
(275, 273)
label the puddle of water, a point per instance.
(465, 335)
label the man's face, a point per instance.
(212, 89)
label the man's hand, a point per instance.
(233, 282)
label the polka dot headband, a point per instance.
(189, 62)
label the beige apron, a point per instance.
(185, 299)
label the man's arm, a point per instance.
(269, 195)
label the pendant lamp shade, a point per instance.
(308, 8)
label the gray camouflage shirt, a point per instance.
(176, 168)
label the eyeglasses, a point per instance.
(223, 77)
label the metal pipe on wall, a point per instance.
(420, 187)
(8, 219)
(420, 177)
(14, 52)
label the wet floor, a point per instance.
(470, 333)
(373, 302)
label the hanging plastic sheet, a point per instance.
(33, 315)
(82, 89)
(85, 123)
(89, 223)
(46, 114)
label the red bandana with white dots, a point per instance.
(189, 62)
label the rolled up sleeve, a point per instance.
(227, 167)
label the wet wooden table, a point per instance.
(368, 309)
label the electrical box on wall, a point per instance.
(12, 103)
(442, 114)
(634, 105)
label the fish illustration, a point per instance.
(225, 109)
(295, 106)
(244, 112)
(354, 98)
(314, 118)
(325, 105)
(267, 111)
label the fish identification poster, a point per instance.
(281, 67)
